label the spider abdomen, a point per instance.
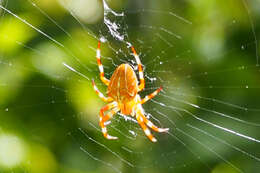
(123, 85)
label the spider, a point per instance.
(123, 96)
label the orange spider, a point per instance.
(122, 95)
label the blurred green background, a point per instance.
(204, 54)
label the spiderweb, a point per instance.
(205, 56)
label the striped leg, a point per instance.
(140, 69)
(141, 122)
(145, 128)
(152, 126)
(100, 66)
(150, 96)
(104, 118)
(105, 99)
(149, 123)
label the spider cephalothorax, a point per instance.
(123, 96)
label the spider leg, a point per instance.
(145, 128)
(105, 99)
(104, 118)
(141, 122)
(149, 123)
(152, 126)
(150, 96)
(140, 69)
(100, 66)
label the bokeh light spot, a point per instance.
(12, 150)
(89, 11)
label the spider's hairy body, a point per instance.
(123, 88)
(123, 96)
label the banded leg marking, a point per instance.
(150, 96)
(105, 99)
(100, 66)
(141, 122)
(152, 126)
(104, 118)
(140, 69)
